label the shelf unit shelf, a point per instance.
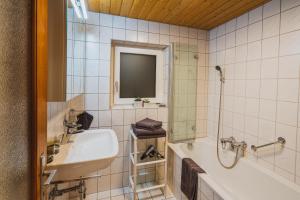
(135, 162)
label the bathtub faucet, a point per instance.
(234, 144)
(229, 140)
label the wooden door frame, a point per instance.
(40, 65)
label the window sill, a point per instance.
(132, 106)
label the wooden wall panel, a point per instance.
(204, 14)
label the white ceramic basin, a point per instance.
(85, 153)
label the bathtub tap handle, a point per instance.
(229, 140)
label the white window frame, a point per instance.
(159, 74)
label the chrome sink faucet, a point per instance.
(71, 126)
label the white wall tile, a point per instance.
(119, 22)
(164, 29)
(143, 37)
(271, 8)
(254, 50)
(104, 85)
(103, 101)
(153, 27)
(267, 109)
(143, 25)
(289, 66)
(174, 30)
(287, 4)
(104, 68)
(242, 36)
(287, 113)
(255, 15)
(153, 38)
(131, 35)
(270, 47)
(255, 31)
(242, 21)
(231, 25)
(105, 34)
(92, 50)
(92, 33)
(271, 26)
(131, 24)
(118, 34)
(193, 33)
(105, 51)
(290, 20)
(269, 68)
(106, 20)
(268, 89)
(289, 43)
(91, 85)
(105, 118)
(183, 31)
(117, 117)
(92, 67)
(93, 18)
(288, 89)
(91, 101)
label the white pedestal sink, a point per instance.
(85, 153)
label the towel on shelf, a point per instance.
(189, 178)
(148, 124)
(147, 134)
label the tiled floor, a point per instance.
(124, 194)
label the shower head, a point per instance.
(222, 78)
(218, 68)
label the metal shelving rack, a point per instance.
(135, 162)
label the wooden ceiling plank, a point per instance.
(191, 9)
(205, 7)
(147, 7)
(136, 8)
(126, 7)
(221, 8)
(205, 10)
(115, 6)
(105, 6)
(230, 15)
(171, 5)
(228, 8)
(93, 5)
(192, 13)
(177, 10)
(159, 7)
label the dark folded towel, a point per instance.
(85, 119)
(189, 178)
(148, 124)
(147, 134)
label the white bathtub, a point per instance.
(246, 181)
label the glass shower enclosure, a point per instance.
(183, 92)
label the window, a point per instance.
(138, 73)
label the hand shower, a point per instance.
(228, 140)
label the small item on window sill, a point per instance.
(145, 101)
(161, 105)
(138, 102)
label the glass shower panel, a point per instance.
(183, 92)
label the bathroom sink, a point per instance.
(85, 153)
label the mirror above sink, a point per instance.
(85, 153)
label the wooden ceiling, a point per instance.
(204, 14)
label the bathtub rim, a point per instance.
(211, 180)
